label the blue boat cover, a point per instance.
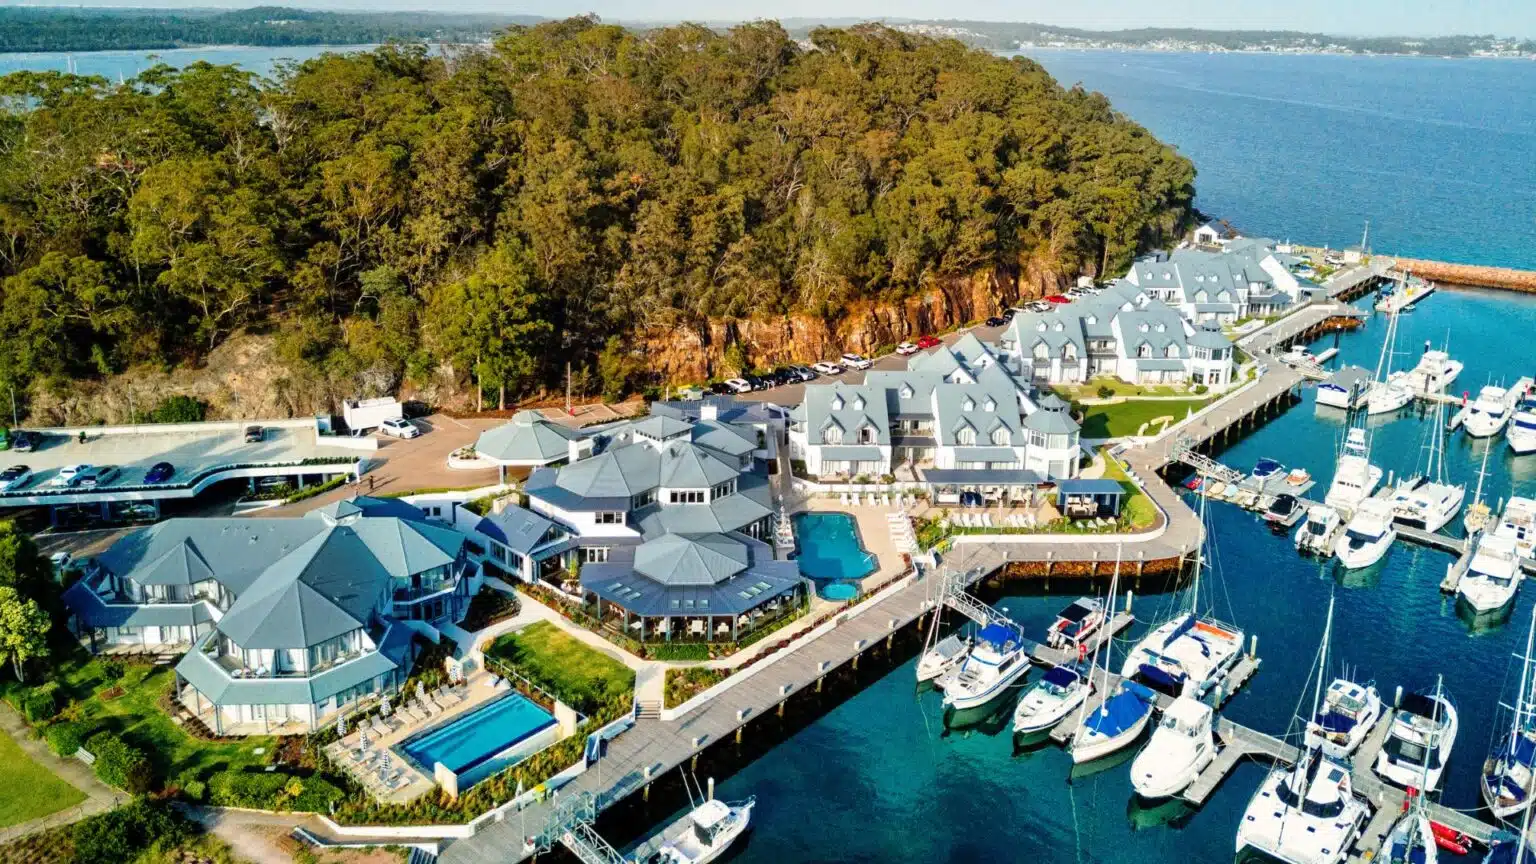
(1119, 713)
(1184, 627)
(1332, 722)
(1525, 750)
(1062, 676)
(1157, 675)
(1505, 844)
(997, 634)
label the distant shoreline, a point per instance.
(1105, 49)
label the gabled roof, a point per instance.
(621, 472)
(291, 615)
(822, 404)
(237, 549)
(403, 548)
(661, 426)
(182, 564)
(518, 529)
(697, 559)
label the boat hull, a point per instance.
(1087, 748)
(1039, 721)
(1355, 558)
(960, 700)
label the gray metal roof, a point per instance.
(687, 466)
(662, 426)
(846, 453)
(518, 529)
(528, 439)
(983, 477)
(1051, 422)
(848, 408)
(216, 684)
(1207, 337)
(760, 582)
(1160, 364)
(238, 549)
(93, 612)
(985, 454)
(1097, 486)
(691, 559)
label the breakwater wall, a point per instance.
(1474, 275)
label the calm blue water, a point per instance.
(468, 745)
(1436, 153)
(126, 64)
(829, 547)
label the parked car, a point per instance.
(1058, 299)
(159, 472)
(254, 434)
(739, 385)
(759, 382)
(62, 562)
(928, 342)
(854, 361)
(97, 476)
(787, 375)
(399, 427)
(720, 388)
(805, 373)
(827, 368)
(995, 321)
(25, 442)
(14, 477)
(69, 475)
(1009, 313)
(906, 348)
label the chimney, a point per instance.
(709, 411)
(577, 449)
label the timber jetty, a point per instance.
(1471, 275)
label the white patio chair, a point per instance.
(844, 499)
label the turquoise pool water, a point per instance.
(829, 547)
(473, 746)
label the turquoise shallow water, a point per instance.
(829, 547)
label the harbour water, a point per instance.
(126, 64)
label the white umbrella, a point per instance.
(384, 709)
(341, 725)
(362, 737)
(421, 690)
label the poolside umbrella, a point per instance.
(421, 690)
(362, 737)
(341, 725)
(384, 708)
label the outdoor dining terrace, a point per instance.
(366, 749)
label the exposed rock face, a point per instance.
(696, 354)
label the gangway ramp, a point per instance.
(1184, 451)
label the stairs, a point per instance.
(421, 856)
(647, 709)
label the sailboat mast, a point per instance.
(1322, 659)
(1194, 588)
(1103, 646)
(1384, 364)
(1523, 699)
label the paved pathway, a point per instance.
(99, 797)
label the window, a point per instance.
(1173, 351)
(722, 490)
(1036, 439)
(1069, 352)
(966, 437)
(1000, 437)
(969, 404)
(594, 555)
(832, 435)
(837, 403)
(866, 434)
(906, 391)
(610, 517)
(1144, 350)
(644, 498)
(858, 404)
(687, 496)
(1041, 351)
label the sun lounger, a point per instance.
(380, 727)
(885, 499)
(411, 712)
(430, 709)
(844, 499)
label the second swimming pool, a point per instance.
(482, 742)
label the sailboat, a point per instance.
(1389, 391)
(1412, 838)
(1479, 513)
(1307, 813)
(1064, 688)
(1426, 501)
(1120, 718)
(1355, 478)
(944, 655)
(1189, 653)
(1509, 775)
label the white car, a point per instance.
(94, 477)
(69, 475)
(739, 385)
(854, 361)
(906, 348)
(14, 477)
(399, 427)
(826, 368)
(62, 562)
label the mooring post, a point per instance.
(1253, 646)
(1129, 597)
(739, 730)
(693, 763)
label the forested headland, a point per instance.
(635, 205)
(49, 28)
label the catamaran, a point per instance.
(1426, 500)
(1188, 654)
(1349, 713)
(1355, 478)
(1318, 534)
(1368, 535)
(1492, 574)
(1435, 372)
(993, 665)
(1521, 433)
(1509, 774)
(1518, 523)
(1307, 813)
(1181, 746)
(1389, 391)
(1419, 741)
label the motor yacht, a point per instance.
(1435, 372)
(1489, 412)
(1305, 813)
(1318, 534)
(1518, 522)
(1419, 741)
(941, 658)
(1521, 433)
(712, 827)
(1075, 625)
(1183, 743)
(1492, 574)
(1051, 700)
(1115, 724)
(1265, 469)
(1347, 388)
(1509, 774)
(1349, 713)
(1367, 536)
(997, 660)
(1354, 478)
(1429, 501)
(1284, 511)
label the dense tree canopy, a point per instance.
(511, 208)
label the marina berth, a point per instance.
(1492, 576)
(1349, 713)
(1181, 746)
(1490, 412)
(1419, 741)
(1518, 523)
(1051, 700)
(1076, 624)
(1367, 536)
(1509, 774)
(1412, 839)
(1521, 433)
(997, 661)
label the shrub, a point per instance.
(64, 738)
(112, 670)
(1201, 389)
(194, 790)
(272, 791)
(120, 764)
(683, 650)
(39, 704)
(178, 409)
(488, 607)
(318, 488)
(120, 835)
(1105, 391)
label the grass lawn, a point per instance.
(1090, 390)
(573, 672)
(136, 715)
(1139, 509)
(27, 789)
(1126, 418)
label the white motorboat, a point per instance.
(1367, 536)
(941, 658)
(1389, 395)
(997, 660)
(1354, 478)
(1509, 774)
(1429, 501)
(1051, 699)
(1349, 713)
(1489, 412)
(1306, 813)
(1075, 625)
(1263, 470)
(1435, 372)
(1493, 574)
(1518, 522)
(1521, 433)
(1180, 747)
(1412, 838)
(1419, 741)
(1188, 654)
(1318, 534)
(712, 827)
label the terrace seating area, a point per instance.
(367, 752)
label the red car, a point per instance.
(1058, 298)
(928, 342)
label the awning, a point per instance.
(1100, 486)
(845, 453)
(1160, 365)
(985, 454)
(983, 477)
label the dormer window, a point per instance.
(1173, 351)
(837, 403)
(969, 404)
(1143, 327)
(1000, 437)
(1092, 319)
(990, 405)
(1042, 352)
(966, 437)
(1040, 326)
(1060, 326)
(858, 403)
(1162, 328)
(866, 434)
(906, 391)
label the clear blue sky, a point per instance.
(1353, 17)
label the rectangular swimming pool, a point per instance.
(484, 741)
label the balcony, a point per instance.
(434, 588)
